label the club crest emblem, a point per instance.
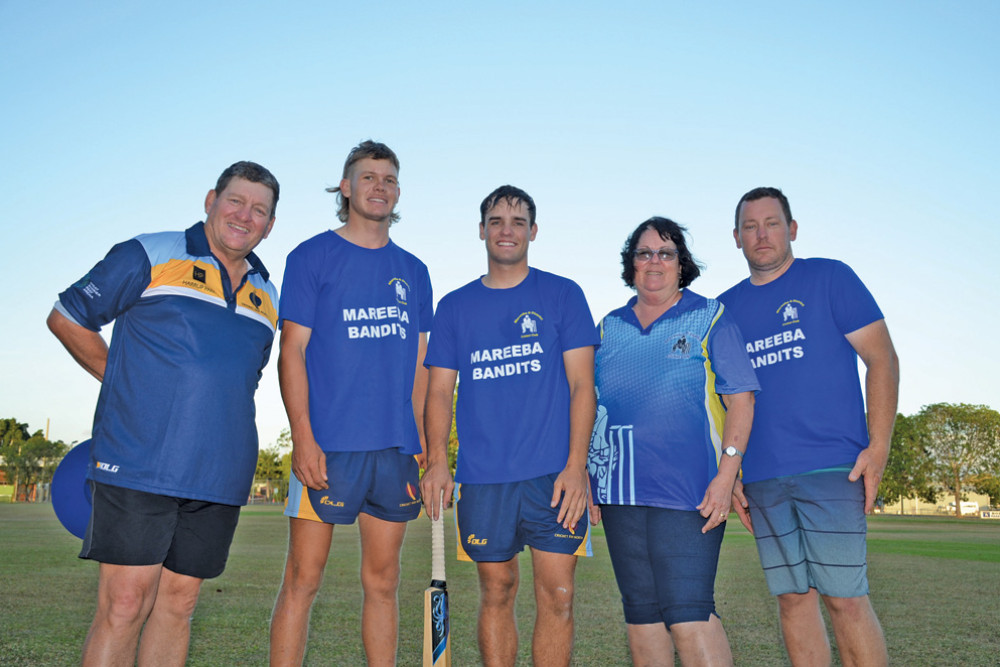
(528, 324)
(683, 345)
(401, 290)
(789, 312)
(198, 274)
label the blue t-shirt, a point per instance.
(176, 413)
(366, 308)
(810, 414)
(658, 434)
(513, 396)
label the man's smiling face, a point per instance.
(372, 189)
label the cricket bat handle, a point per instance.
(437, 545)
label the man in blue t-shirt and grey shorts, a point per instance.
(522, 341)
(813, 461)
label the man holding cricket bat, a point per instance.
(522, 341)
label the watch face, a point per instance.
(732, 451)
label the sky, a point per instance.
(877, 119)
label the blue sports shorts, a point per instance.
(810, 531)
(496, 521)
(382, 483)
(664, 565)
(129, 527)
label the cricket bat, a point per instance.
(437, 625)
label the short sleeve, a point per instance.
(442, 348)
(299, 287)
(579, 330)
(426, 314)
(110, 288)
(727, 353)
(852, 304)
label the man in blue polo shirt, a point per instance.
(806, 322)
(522, 341)
(174, 443)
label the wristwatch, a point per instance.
(732, 451)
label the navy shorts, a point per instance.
(810, 531)
(128, 527)
(382, 483)
(665, 566)
(496, 521)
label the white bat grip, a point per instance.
(437, 544)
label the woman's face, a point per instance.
(656, 275)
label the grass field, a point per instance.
(935, 583)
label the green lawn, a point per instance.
(935, 585)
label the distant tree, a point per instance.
(269, 470)
(39, 459)
(27, 459)
(11, 429)
(988, 485)
(13, 435)
(962, 441)
(285, 446)
(284, 442)
(909, 472)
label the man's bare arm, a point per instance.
(573, 483)
(874, 346)
(308, 460)
(437, 427)
(85, 346)
(419, 397)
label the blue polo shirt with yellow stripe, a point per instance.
(176, 413)
(657, 437)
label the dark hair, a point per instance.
(511, 195)
(366, 149)
(761, 193)
(253, 172)
(667, 229)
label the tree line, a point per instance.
(945, 450)
(28, 460)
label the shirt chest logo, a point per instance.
(400, 290)
(789, 312)
(528, 324)
(682, 345)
